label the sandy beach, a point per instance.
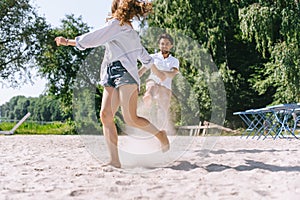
(64, 167)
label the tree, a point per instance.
(22, 33)
(60, 65)
(254, 43)
(43, 108)
(274, 27)
(67, 68)
(215, 26)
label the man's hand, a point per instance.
(161, 75)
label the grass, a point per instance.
(33, 128)
(69, 128)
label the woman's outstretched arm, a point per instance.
(61, 41)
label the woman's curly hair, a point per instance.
(126, 10)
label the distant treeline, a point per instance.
(43, 108)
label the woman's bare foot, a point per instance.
(164, 141)
(113, 164)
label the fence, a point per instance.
(3, 119)
(202, 129)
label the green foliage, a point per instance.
(55, 128)
(260, 23)
(282, 72)
(22, 33)
(212, 29)
(59, 65)
(275, 29)
(87, 94)
(86, 115)
(195, 88)
(208, 22)
(254, 44)
(16, 108)
(43, 108)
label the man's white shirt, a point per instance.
(164, 64)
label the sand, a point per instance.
(65, 167)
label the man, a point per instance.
(169, 66)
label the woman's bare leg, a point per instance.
(109, 106)
(128, 101)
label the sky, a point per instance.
(93, 13)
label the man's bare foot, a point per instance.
(164, 141)
(113, 164)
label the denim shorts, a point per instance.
(118, 75)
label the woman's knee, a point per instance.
(106, 117)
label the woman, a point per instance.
(119, 72)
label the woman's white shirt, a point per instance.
(122, 43)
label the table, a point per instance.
(284, 120)
(275, 121)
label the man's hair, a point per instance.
(126, 10)
(166, 36)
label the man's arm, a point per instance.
(172, 73)
(142, 71)
(161, 75)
